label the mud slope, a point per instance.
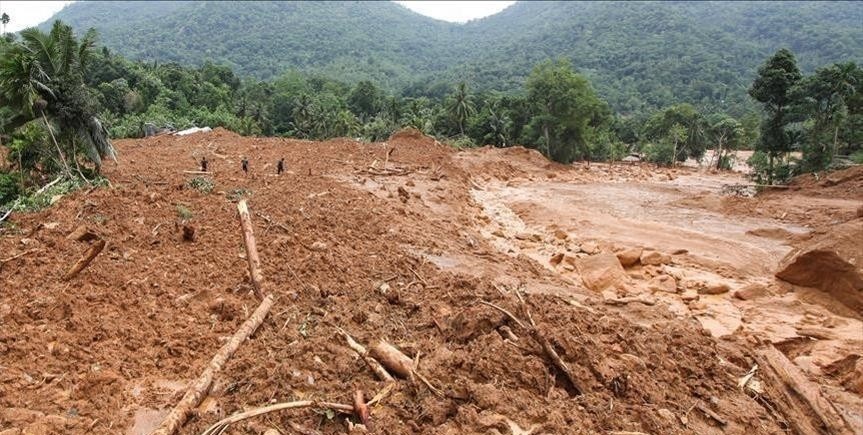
(403, 257)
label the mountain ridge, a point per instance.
(639, 55)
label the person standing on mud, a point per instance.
(280, 166)
(204, 163)
(245, 164)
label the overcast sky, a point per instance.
(25, 14)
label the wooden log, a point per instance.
(251, 248)
(800, 399)
(393, 359)
(373, 364)
(85, 260)
(361, 410)
(199, 389)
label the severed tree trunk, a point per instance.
(251, 248)
(800, 400)
(199, 389)
(85, 260)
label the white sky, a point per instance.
(25, 14)
(456, 11)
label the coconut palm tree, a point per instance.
(42, 77)
(461, 106)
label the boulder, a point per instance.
(601, 271)
(556, 259)
(713, 288)
(751, 291)
(654, 258)
(629, 257)
(826, 270)
(663, 283)
(589, 248)
(560, 234)
(831, 262)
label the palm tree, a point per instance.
(461, 106)
(4, 19)
(43, 77)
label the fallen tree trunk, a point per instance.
(251, 248)
(85, 260)
(800, 400)
(199, 389)
(393, 359)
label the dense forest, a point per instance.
(63, 96)
(641, 57)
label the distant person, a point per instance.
(280, 166)
(204, 164)
(246, 165)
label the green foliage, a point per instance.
(661, 153)
(683, 126)
(184, 212)
(655, 55)
(237, 194)
(9, 187)
(857, 157)
(566, 114)
(463, 142)
(201, 184)
(773, 89)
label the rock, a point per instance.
(714, 288)
(697, 305)
(666, 414)
(560, 234)
(82, 234)
(319, 246)
(556, 259)
(601, 271)
(860, 211)
(629, 257)
(589, 248)
(497, 233)
(826, 270)
(751, 291)
(663, 283)
(680, 251)
(654, 258)
(528, 236)
(403, 194)
(689, 295)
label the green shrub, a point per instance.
(857, 157)
(463, 142)
(661, 153)
(183, 212)
(201, 184)
(9, 188)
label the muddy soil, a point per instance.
(405, 251)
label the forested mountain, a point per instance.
(638, 55)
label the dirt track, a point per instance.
(111, 350)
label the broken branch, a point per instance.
(220, 426)
(373, 364)
(201, 386)
(85, 260)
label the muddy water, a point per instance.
(641, 214)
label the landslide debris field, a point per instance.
(656, 288)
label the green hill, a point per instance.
(638, 55)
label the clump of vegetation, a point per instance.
(201, 184)
(237, 194)
(184, 212)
